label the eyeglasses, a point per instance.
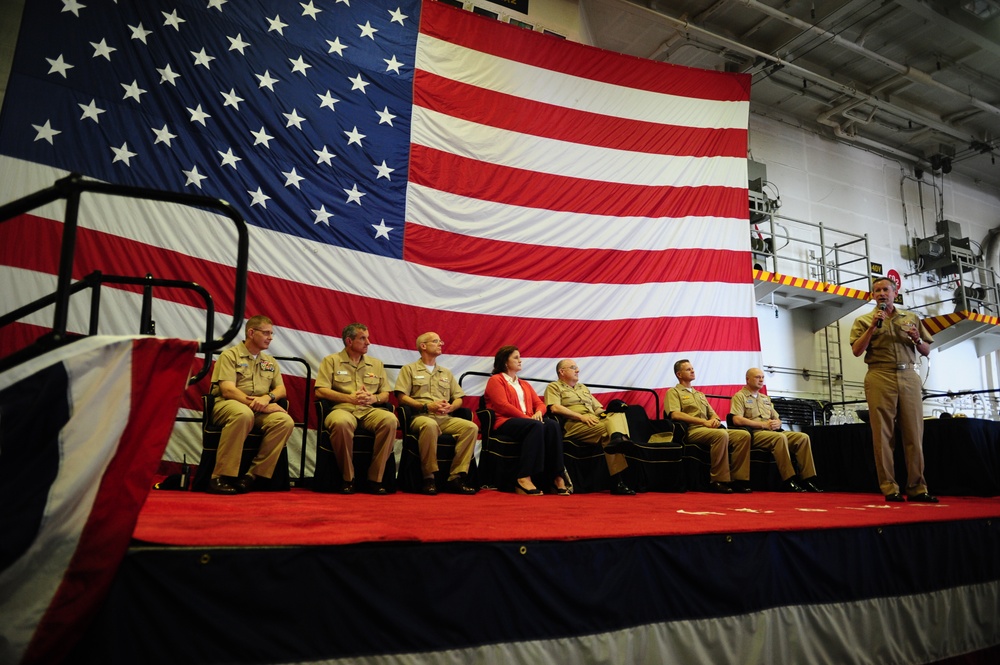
(572, 367)
(265, 333)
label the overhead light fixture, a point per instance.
(981, 9)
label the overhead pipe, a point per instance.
(817, 79)
(909, 72)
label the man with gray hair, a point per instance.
(589, 422)
(355, 382)
(432, 391)
(247, 385)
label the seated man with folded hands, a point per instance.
(588, 421)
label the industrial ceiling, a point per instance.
(914, 80)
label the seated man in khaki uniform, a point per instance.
(752, 409)
(355, 382)
(686, 405)
(586, 420)
(433, 392)
(247, 384)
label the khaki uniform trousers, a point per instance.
(428, 427)
(341, 423)
(237, 420)
(600, 434)
(893, 394)
(779, 444)
(722, 443)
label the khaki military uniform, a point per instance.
(338, 373)
(255, 377)
(579, 400)
(759, 407)
(416, 381)
(893, 392)
(723, 443)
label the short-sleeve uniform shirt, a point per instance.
(254, 376)
(425, 386)
(576, 398)
(755, 407)
(338, 373)
(889, 344)
(688, 401)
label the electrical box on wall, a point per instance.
(759, 203)
(946, 252)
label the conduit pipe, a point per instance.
(909, 72)
(817, 79)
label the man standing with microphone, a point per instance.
(890, 339)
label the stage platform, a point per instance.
(961, 455)
(498, 578)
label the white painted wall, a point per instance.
(823, 181)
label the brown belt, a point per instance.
(896, 366)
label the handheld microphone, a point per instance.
(881, 307)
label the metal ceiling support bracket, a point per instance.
(818, 79)
(909, 72)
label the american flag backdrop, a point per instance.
(401, 163)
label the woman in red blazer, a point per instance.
(521, 415)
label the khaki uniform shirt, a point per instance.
(575, 398)
(690, 402)
(338, 373)
(755, 407)
(254, 376)
(889, 345)
(415, 381)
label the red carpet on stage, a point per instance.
(303, 517)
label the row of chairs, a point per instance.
(764, 476)
(661, 459)
(326, 477)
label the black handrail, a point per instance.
(656, 396)
(960, 393)
(70, 188)
(147, 326)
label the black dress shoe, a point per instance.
(378, 489)
(460, 485)
(741, 486)
(810, 486)
(619, 442)
(719, 488)
(895, 497)
(924, 498)
(791, 486)
(347, 486)
(429, 487)
(220, 486)
(244, 484)
(621, 489)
